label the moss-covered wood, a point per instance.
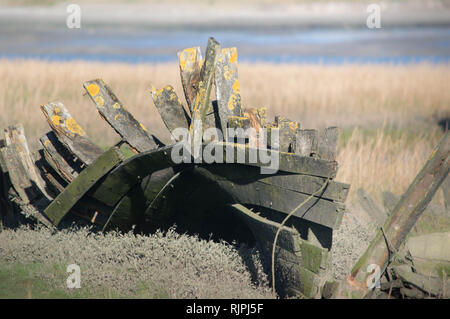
(61, 205)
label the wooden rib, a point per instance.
(123, 122)
(54, 183)
(190, 61)
(70, 133)
(170, 108)
(202, 111)
(228, 92)
(57, 157)
(306, 184)
(81, 185)
(16, 136)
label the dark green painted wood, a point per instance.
(130, 173)
(81, 185)
(242, 174)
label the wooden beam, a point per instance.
(70, 133)
(228, 92)
(202, 112)
(61, 205)
(191, 62)
(122, 121)
(403, 218)
(170, 108)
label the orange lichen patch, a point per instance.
(293, 125)
(233, 57)
(236, 88)
(56, 119)
(187, 56)
(118, 117)
(99, 101)
(116, 105)
(73, 127)
(200, 63)
(143, 127)
(156, 93)
(47, 143)
(57, 110)
(232, 102)
(93, 89)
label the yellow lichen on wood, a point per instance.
(93, 89)
(56, 119)
(143, 127)
(233, 57)
(99, 101)
(73, 127)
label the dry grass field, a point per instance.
(388, 114)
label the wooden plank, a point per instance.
(191, 62)
(123, 122)
(16, 136)
(431, 285)
(446, 191)
(306, 142)
(18, 174)
(202, 111)
(131, 172)
(319, 211)
(287, 132)
(81, 185)
(170, 108)
(305, 184)
(287, 162)
(53, 181)
(398, 225)
(328, 143)
(228, 92)
(59, 159)
(70, 133)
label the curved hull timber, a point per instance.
(137, 183)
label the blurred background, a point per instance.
(263, 30)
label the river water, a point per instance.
(265, 44)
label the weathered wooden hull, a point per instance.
(138, 184)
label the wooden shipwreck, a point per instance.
(137, 184)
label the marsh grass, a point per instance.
(115, 265)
